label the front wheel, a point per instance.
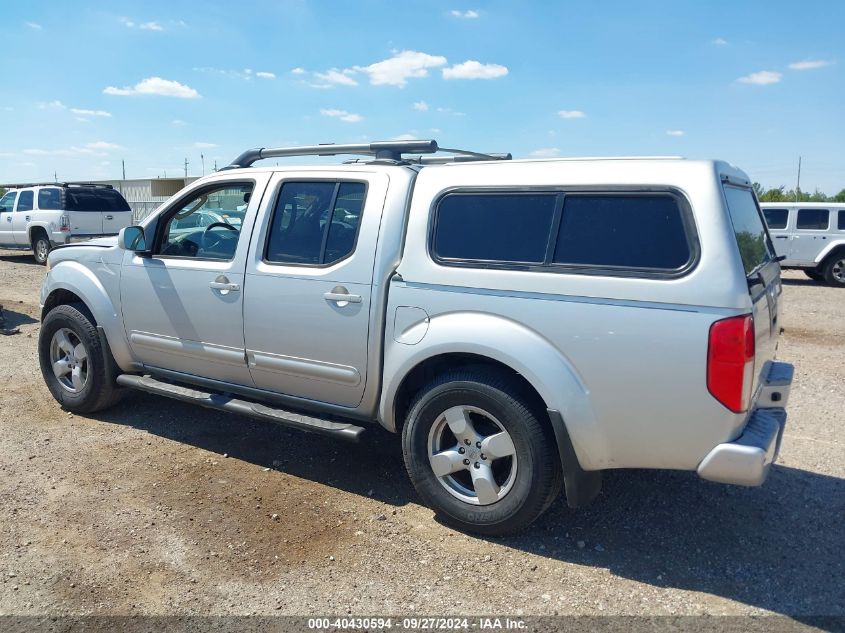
(478, 453)
(74, 365)
(41, 248)
(834, 270)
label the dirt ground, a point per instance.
(156, 507)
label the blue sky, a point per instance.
(86, 84)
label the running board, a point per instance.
(224, 402)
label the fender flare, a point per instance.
(37, 225)
(525, 351)
(828, 250)
(81, 281)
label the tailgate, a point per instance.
(85, 222)
(113, 221)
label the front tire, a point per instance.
(78, 372)
(41, 248)
(479, 454)
(834, 270)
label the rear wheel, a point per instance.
(834, 270)
(40, 247)
(479, 455)
(78, 372)
(814, 274)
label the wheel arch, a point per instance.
(71, 282)
(837, 248)
(465, 339)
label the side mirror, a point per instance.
(131, 238)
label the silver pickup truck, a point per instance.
(524, 324)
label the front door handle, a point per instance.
(341, 296)
(224, 286)
(27, 218)
(109, 217)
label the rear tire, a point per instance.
(78, 371)
(834, 270)
(814, 274)
(41, 247)
(475, 484)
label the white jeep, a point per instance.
(524, 324)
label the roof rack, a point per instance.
(390, 151)
(24, 185)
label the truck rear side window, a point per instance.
(813, 219)
(94, 199)
(622, 231)
(494, 227)
(841, 221)
(315, 223)
(776, 218)
(751, 235)
(50, 199)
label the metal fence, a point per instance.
(142, 208)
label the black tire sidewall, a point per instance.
(527, 498)
(66, 316)
(828, 271)
(40, 238)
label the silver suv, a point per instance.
(40, 217)
(524, 324)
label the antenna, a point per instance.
(202, 158)
(798, 184)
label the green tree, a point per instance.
(839, 197)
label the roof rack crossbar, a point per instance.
(24, 185)
(380, 150)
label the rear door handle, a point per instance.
(27, 218)
(109, 217)
(340, 296)
(781, 237)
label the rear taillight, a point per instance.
(65, 223)
(730, 362)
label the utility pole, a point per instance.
(798, 184)
(202, 158)
(186, 167)
(123, 164)
(55, 177)
(215, 164)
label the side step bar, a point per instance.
(231, 404)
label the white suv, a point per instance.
(524, 324)
(39, 217)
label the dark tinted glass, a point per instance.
(7, 202)
(776, 218)
(494, 227)
(813, 219)
(748, 227)
(84, 199)
(50, 199)
(308, 229)
(629, 231)
(25, 201)
(841, 221)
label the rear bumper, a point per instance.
(746, 460)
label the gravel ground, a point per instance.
(156, 507)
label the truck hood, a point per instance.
(103, 249)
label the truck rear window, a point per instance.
(83, 199)
(751, 235)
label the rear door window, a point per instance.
(749, 228)
(813, 219)
(50, 199)
(776, 218)
(91, 199)
(622, 231)
(841, 222)
(25, 201)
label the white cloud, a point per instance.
(675, 133)
(343, 115)
(571, 114)
(396, 70)
(298, 71)
(52, 105)
(34, 26)
(263, 74)
(103, 146)
(86, 112)
(404, 137)
(761, 78)
(546, 152)
(334, 77)
(810, 64)
(155, 86)
(151, 26)
(450, 111)
(720, 41)
(466, 15)
(97, 148)
(127, 22)
(422, 106)
(201, 145)
(475, 70)
(177, 122)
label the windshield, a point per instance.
(752, 238)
